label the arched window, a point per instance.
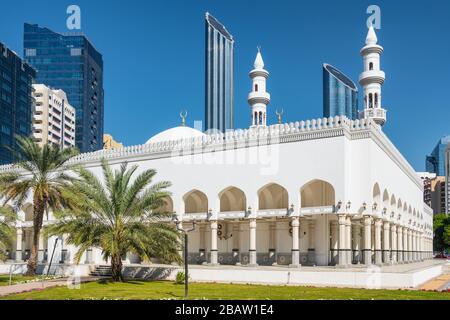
(256, 88)
(371, 66)
(376, 100)
(370, 100)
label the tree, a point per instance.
(7, 217)
(441, 228)
(118, 216)
(41, 174)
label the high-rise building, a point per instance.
(53, 117)
(372, 78)
(447, 179)
(16, 102)
(219, 61)
(434, 192)
(110, 143)
(435, 162)
(340, 94)
(71, 63)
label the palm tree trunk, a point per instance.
(116, 266)
(38, 215)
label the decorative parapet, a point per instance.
(235, 139)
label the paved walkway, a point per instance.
(19, 288)
(439, 283)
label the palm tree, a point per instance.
(118, 216)
(7, 216)
(41, 174)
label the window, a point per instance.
(371, 66)
(256, 88)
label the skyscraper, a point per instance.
(71, 63)
(219, 104)
(435, 162)
(340, 94)
(16, 102)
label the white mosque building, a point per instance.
(323, 192)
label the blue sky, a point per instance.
(154, 58)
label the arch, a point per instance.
(409, 210)
(385, 199)
(376, 193)
(195, 201)
(232, 199)
(28, 210)
(370, 101)
(167, 207)
(371, 66)
(405, 208)
(376, 100)
(317, 193)
(393, 203)
(400, 205)
(273, 196)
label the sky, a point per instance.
(153, 54)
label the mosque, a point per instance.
(322, 192)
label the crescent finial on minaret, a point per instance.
(183, 118)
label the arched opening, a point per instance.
(28, 210)
(371, 66)
(232, 199)
(273, 196)
(370, 100)
(376, 194)
(167, 207)
(195, 201)
(376, 100)
(256, 88)
(393, 203)
(386, 200)
(317, 193)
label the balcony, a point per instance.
(377, 114)
(259, 97)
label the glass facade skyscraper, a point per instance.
(340, 94)
(435, 162)
(219, 60)
(16, 102)
(71, 63)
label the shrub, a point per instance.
(181, 276)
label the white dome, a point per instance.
(176, 133)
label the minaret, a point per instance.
(259, 98)
(372, 79)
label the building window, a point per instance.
(371, 66)
(256, 88)
(370, 101)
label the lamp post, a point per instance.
(185, 252)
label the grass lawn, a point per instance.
(168, 290)
(4, 279)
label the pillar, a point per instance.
(334, 234)
(19, 234)
(295, 243)
(399, 244)
(236, 243)
(409, 245)
(405, 245)
(378, 252)
(342, 251)
(386, 242)
(367, 251)
(252, 250)
(273, 243)
(311, 242)
(41, 250)
(394, 243)
(202, 244)
(214, 251)
(356, 243)
(348, 240)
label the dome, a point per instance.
(176, 133)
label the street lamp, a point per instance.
(185, 253)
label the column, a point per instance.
(19, 233)
(394, 243)
(252, 250)
(405, 245)
(202, 245)
(399, 244)
(236, 244)
(273, 243)
(356, 243)
(416, 246)
(342, 254)
(214, 251)
(295, 243)
(334, 232)
(409, 245)
(367, 251)
(41, 250)
(378, 252)
(386, 242)
(348, 240)
(311, 242)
